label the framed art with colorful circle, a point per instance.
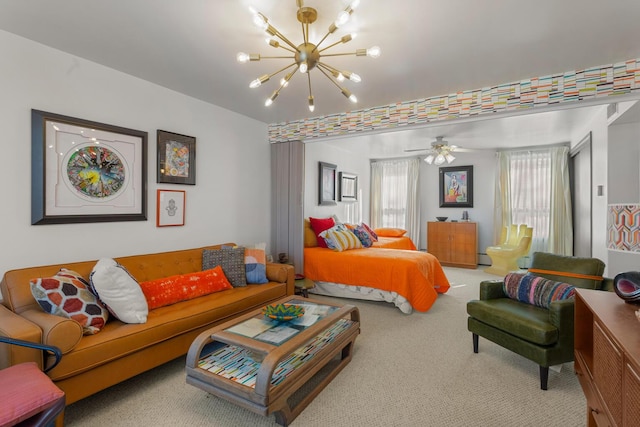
(84, 171)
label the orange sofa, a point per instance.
(91, 363)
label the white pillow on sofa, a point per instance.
(119, 291)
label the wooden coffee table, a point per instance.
(268, 366)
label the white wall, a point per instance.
(229, 203)
(624, 174)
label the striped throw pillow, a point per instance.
(536, 290)
(341, 239)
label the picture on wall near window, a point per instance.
(348, 187)
(327, 184)
(456, 187)
(170, 208)
(84, 171)
(176, 158)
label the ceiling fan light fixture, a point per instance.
(449, 157)
(306, 56)
(429, 158)
(440, 159)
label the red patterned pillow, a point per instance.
(68, 294)
(319, 225)
(181, 287)
(373, 234)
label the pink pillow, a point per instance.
(27, 391)
(373, 234)
(319, 225)
(181, 287)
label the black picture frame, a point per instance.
(176, 158)
(348, 187)
(84, 171)
(456, 187)
(327, 184)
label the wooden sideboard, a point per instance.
(454, 243)
(607, 357)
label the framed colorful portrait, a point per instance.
(456, 187)
(85, 171)
(327, 194)
(170, 207)
(176, 158)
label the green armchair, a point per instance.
(542, 335)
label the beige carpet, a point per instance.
(407, 370)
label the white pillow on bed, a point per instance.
(340, 239)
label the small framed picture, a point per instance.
(348, 187)
(327, 184)
(170, 208)
(176, 158)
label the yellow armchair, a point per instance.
(515, 242)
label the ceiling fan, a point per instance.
(439, 152)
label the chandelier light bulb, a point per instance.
(268, 102)
(353, 98)
(304, 67)
(242, 57)
(260, 21)
(254, 84)
(374, 52)
(343, 18)
(340, 77)
(354, 77)
(354, 4)
(284, 82)
(311, 106)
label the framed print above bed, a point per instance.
(85, 171)
(456, 187)
(327, 184)
(348, 187)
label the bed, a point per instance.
(409, 279)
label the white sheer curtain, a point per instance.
(394, 195)
(532, 187)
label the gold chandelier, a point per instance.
(307, 55)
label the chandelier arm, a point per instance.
(330, 46)
(323, 39)
(287, 49)
(309, 80)
(274, 32)
(340, 54)
(281, 70)
(329, 68)
(331, 79)
(277, 57)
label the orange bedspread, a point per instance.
(403, 242)
(417, 276)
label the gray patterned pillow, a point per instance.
(232, 262)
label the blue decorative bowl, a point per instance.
(283, 311)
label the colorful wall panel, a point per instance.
(623, 228)
(608, 80)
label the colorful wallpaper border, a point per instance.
(620, 78)
(623, 228)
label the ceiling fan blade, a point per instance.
(416, 149)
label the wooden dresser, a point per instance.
(607, 357)
(454, 243)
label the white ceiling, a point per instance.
(429, 48)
